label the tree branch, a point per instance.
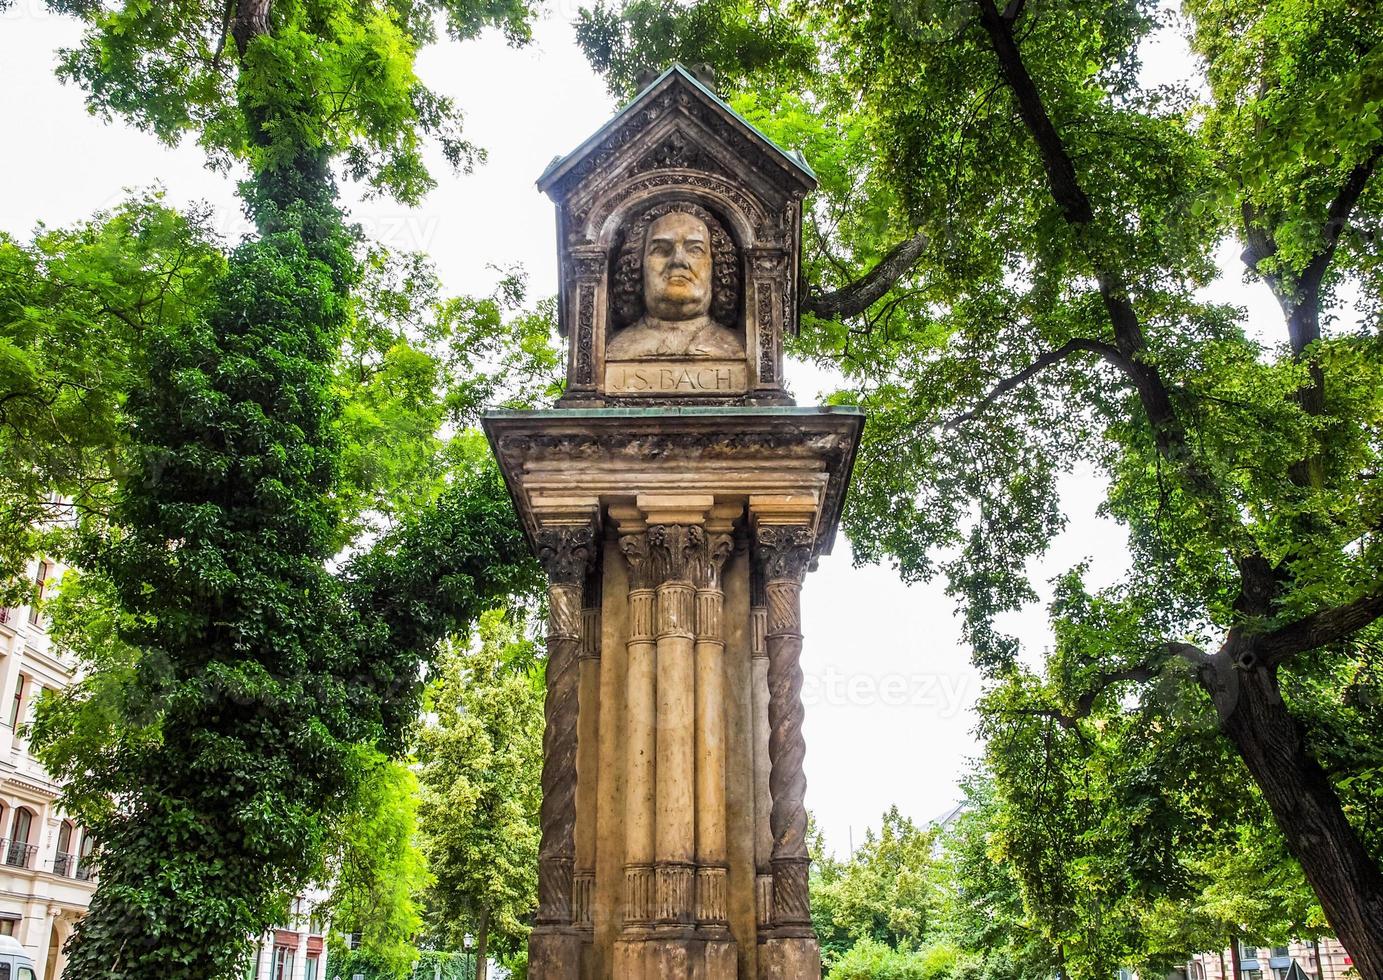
(1074, 346)
(860, 295)
(1318, 629)
(1337, 218)
(1140, 673)
(1168, 433)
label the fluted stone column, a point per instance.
(566, 552)
(674, 547)
(790, 950)
(711, 843)
(641, 712)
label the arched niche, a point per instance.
(677, 141)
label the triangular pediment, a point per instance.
(675, 93)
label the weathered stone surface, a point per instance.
(679, 233)
(793, 958)
(675, 540)
(554, 954)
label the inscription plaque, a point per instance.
(680, 377)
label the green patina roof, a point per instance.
(800, 411)
(793, 158)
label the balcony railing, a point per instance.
(64, 864)
(18, 853)
(86, 871)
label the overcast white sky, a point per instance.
(889, 688)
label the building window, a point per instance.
(283, 963)
(9, 925)
(40, 582)
(86, 866)
(20, 853)
(311, 972)
(63, 860)
(18, 701)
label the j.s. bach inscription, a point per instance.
(679, 377)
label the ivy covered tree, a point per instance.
(253, 675)
(1007, 261)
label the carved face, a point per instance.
(677, 267)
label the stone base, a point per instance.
(554, 953)
(789, 958)
(675, 958)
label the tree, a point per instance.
(885, 891)
(75, 306)
(260, 673)
(379, 873)
(479, 768)
(1006, 262)
(981, 908)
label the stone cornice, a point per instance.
(613, 453)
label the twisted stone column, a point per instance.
(566, 553)
(712, 853)
(784, 551)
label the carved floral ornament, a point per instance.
(784, 551)
(676, 553)
(566, 552)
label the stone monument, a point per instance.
(676, 498)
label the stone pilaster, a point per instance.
(790, 950)
(763, 799)
(641, 710)
(566, 552)
(587, 746)
(711, 841)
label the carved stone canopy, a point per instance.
(731, 260)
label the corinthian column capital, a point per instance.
(783, 552)
(709, 559)
(567, 552)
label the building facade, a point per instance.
(1275, 963)
(296, 950)
(46, 872)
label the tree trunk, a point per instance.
(1224, 970)
(482, 942)
(1344, 877)
(1234, 958)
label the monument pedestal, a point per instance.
(555, 953)
(676, 541)
(676, 500)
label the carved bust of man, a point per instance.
(680, 284)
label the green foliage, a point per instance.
(885, 891)
(479, 769)
(344, 71)
(981, 904)
(379, 872)
(872, 960)
(76, 305)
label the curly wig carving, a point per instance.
(626, 279)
